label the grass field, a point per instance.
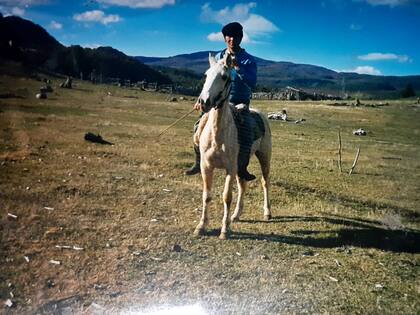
(337, 243)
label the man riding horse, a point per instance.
(244, 78)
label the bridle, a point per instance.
(220, 102)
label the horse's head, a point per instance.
(216, 88)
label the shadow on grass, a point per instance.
(46, 109)
(295, 189)
(352, 232)
(82, 89)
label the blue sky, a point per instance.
(365, 36)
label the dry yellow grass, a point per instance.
(336, 244)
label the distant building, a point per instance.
(294, 94)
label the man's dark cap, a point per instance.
(233, 29)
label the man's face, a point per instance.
(232, 43)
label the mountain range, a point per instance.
(279, 74)
(26, 42)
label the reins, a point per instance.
(217, 106)
(220, 105)
(174, 123)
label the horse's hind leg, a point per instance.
(240, 202)
(227, 200)
(207, 175)
(264, 160)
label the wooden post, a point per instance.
(355, 161)
(339, 150)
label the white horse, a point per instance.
(217, 137)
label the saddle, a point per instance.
(257, 124)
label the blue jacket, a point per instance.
(244, 80)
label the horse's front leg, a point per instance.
(227, 201)
(207, 175)
(240, 202)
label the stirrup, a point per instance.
(246, 176)
(195, 169)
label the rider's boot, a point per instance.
(195, 169)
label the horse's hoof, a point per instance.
(223, 236)
(267, 217)
(199, 232)
(234, 219)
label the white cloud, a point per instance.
(355, 27)
(254, 25)
(218, 37)
(139, 4)
(215, 37)
(343, 4)
(22, 3)
(18, 11)
(92, 46)
(387, 56)
(390, 3)
(257, 24)
(364, 70)
(55, 25)
(18, 7)
(97, 16)
(8, 11)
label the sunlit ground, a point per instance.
(195, 309)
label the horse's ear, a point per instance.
(212, 60)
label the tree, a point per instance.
(408, 91)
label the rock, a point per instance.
(308, 253)
(67, 84)
(177, 248)
(55, 262)
(96, 138)
(12, 216)
(41, 96)
(9, 303)
(46, 89)
(359, 132)
(378, 286)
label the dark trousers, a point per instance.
(245, 125)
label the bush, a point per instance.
(408, 91)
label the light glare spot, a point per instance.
(195, 309)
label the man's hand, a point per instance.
(235, 63)
(197, 105)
